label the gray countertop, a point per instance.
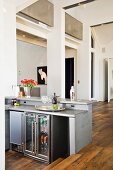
(68, 101)
(61, 100)
(24, 108)
(38, 99)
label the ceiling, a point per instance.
(24, 3)
(94, 13)
(29, 38)
(104, 33)
(25, 34)
(20, 2)
(97, 12)
(62, 2)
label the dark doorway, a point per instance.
(69, 75)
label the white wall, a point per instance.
(110, 84)
(102, 57)
(70, 53)
(83, 65)
(56, 54)
(98, 76)
(103, 51)
(109, 49)
(8, 66)
(91, 15)
(98, 66)
(83, 59)
(109, 54)
(29, 57)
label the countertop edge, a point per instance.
(32, 109)
(62, 101)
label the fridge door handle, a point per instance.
(32, 138)
(35, 137)
(25, 131)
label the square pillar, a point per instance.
(8, 64)
(56, 54)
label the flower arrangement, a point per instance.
(29, 83)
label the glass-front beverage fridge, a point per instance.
(44, 137)
(37, 136)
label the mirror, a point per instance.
(31, 53)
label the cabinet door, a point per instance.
(7, 129)
(16, 131)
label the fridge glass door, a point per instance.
(29, 133)
(43, 136)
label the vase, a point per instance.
(15, 90)
(27, 91)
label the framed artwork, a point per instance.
(42, 75)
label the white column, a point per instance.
(8, 63)
(83, 65)
(56, 54)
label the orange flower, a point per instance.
(29, 83)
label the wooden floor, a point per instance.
(96, 156)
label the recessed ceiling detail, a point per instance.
(104, 33)
(78, 4)
(73, 27)
(29, 38)
(40, 11)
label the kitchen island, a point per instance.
(68, 131)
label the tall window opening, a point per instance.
(92, 65)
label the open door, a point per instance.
(70, 70)
(69, 76)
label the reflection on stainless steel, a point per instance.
(49, 109)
